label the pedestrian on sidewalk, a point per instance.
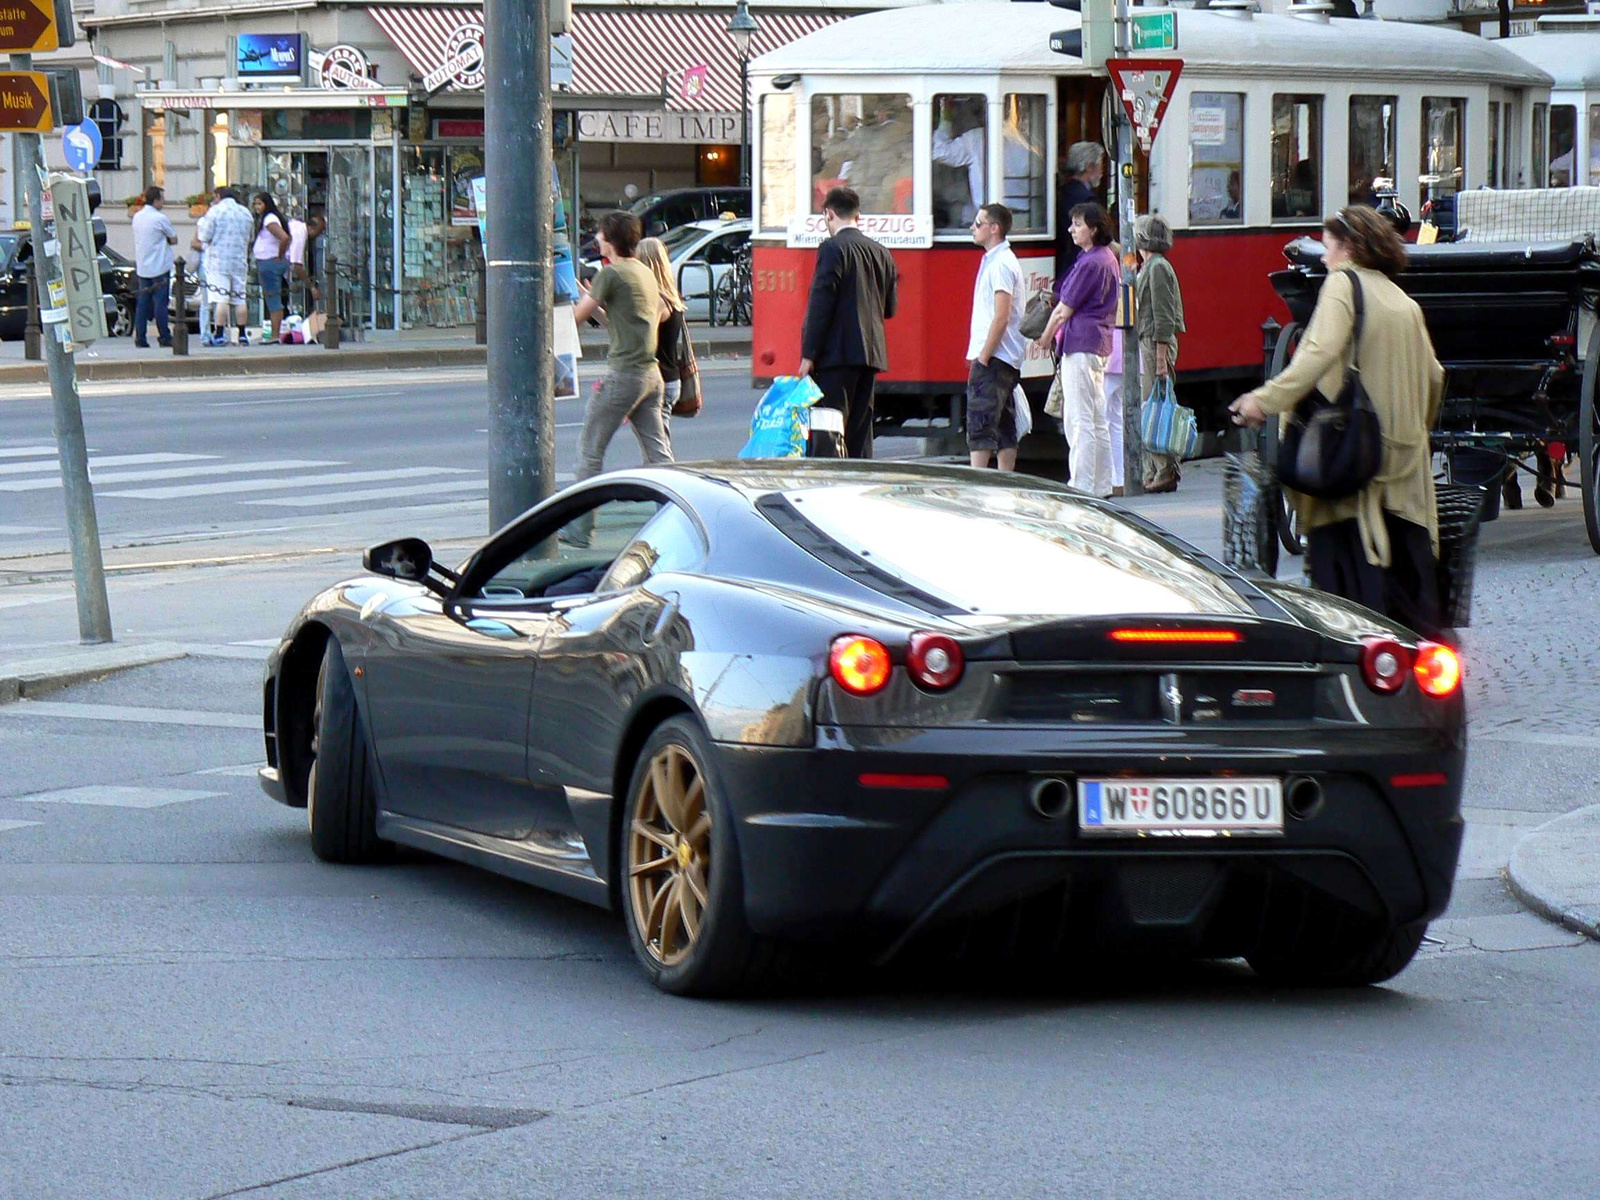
(1378, 547)
(299, 234)
(1085, 167)
(1158, 317)
(669, 328)
(271, 251)
(153, 240)
(1080, 327)
(842, 343)
(625, 297)
(224, 235)
(995, 347)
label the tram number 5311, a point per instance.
(777, 281)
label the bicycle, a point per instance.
(733, 298)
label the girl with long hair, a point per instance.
(669, 328)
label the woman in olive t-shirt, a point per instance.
(625, 297)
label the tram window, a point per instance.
(1023, 151)
(1372, 144)
(1494, 144)
(777, 160)
(960, 160)
(1296, 157)
(1594, 145)
(863, 142)
(1540, 130)
(1563, 145)
(1216, 158)
(1443, 142)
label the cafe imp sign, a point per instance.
(463, 64)
(345, 67)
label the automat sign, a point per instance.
(463, 63)
(345, 67)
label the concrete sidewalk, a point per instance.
(119, 358)
(1555, 870)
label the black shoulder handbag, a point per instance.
(1333, 448)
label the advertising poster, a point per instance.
(270, 57)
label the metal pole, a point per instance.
(519, 176)
(88, 570)
(744, 120)
(1127, 195)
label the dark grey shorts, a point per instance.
(991, 417)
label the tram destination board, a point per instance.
(28, 25)
(25, 102)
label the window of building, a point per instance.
(1541, 130)
(1510, 176)
(863, 142)
(777, 160)
(1594, 145)
(1563, 145)
(1372, 145)
(108, 117)
(1444, 155)
(1025, 184)
(1494, 144)
(1216, 158)
(1296, 157)
(960, 160)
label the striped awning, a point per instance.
(619, 52)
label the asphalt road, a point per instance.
(192, 1007)
(295, 463)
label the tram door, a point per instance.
(1084, 114)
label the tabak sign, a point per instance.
(900, 231)
(463, 64)
(345, 68)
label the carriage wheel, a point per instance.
(1589, 442)
(1285, 520)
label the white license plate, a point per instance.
(1181, 807)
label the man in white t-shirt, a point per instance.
(995, 347)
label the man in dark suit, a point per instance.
(852, 294)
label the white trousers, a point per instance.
(1083, 416)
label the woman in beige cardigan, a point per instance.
(1378, 547)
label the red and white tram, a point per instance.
(1276, 120)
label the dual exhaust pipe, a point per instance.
(1052, 799)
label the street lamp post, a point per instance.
(743, 27)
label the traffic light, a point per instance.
(1094, 40)
(96, 225)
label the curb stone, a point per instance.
(1555, 870)
(26, 679)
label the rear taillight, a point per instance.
(935, 660)
(1182, 637)
(1384, 664)
(1437, 669)
(860, 665)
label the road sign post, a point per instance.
(25, 101)
(27, 26)
(83, 528)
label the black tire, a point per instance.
(1589, 442)
(341, 794)
(1308, 960)
(723, 957)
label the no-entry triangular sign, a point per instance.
(1145, 85)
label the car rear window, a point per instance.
(1012, 552)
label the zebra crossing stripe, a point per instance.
(110, 460)
(235, 486)
(97, 477)
(28, 452)
(383, 493)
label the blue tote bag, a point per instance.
(1167, 427)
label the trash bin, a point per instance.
(1480, 468)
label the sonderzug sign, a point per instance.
(662, 127)
(900, 230)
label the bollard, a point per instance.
(330, 297)
(31, 349)
(481, 327)
(180, 324)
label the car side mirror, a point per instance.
(409, 559)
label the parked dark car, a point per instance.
(659, 212)
(870, 705)
(16, 261)
(125, 287)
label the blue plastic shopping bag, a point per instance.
(779, 428)
(1167, 427)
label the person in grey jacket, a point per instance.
(1158, 309)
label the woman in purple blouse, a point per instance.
(1081, 328)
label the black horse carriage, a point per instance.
(1514, 326)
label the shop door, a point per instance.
(350, 229)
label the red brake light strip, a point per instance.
(1190, 636)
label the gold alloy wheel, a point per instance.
(669, 856)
